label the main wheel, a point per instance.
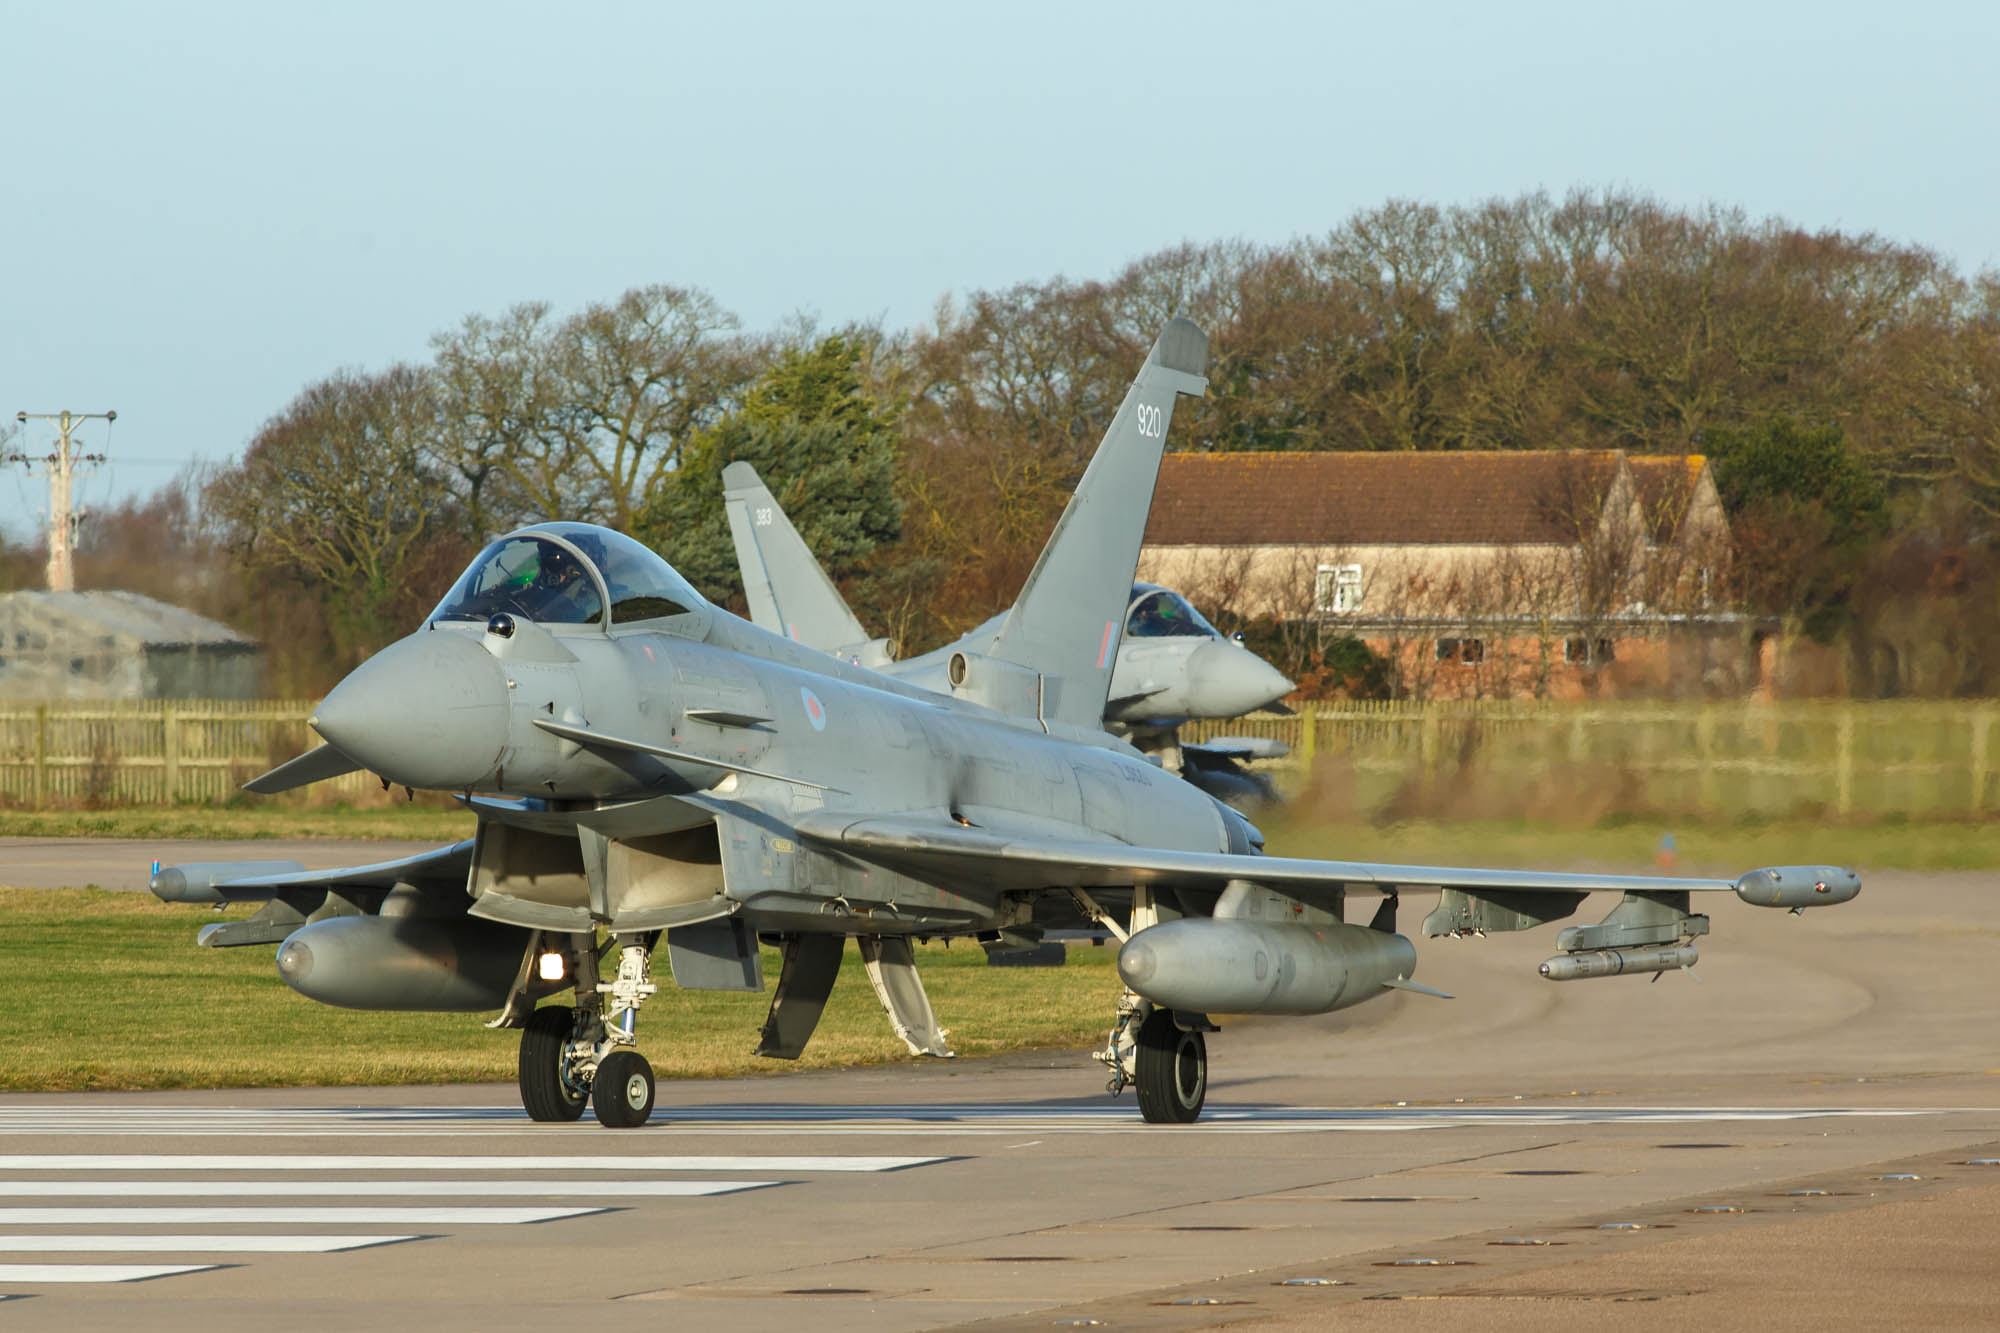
(623, 1091)
(543, 1091)
(1172, 1073)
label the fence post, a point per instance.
(1308, 736)
(1704, 737)
(1843, 801)
(1982, 727)
(172, 722)
(41, 754)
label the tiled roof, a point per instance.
(1487, 498)
(1665, 485)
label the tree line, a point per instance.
(1847, 387)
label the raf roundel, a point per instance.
(815, 710)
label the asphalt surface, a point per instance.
(125, 864)
(1795, 1140)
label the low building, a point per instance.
(120, 645)
(1531, 574)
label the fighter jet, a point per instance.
(643, 764)
(1171, 665)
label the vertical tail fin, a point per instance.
(1067, 622)
(789, 593)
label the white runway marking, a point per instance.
(38, 1274)
(192, 1244)
(333, 1162)
(110, 1190)
(334, 1216)
(279, 1189)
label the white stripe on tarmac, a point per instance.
(38, 1274)
(395, 1217)
(173, 1162)
(283, 1189)
(192, 1244)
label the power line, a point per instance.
(62, 466)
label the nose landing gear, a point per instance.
(572, 1056)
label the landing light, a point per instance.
(550, 966)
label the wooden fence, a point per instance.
(158, 753)
(1875, 760)
(1866, 759)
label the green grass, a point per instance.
(1614, 840)
(1636, 844)
(108, 991)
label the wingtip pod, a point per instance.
(204, 881)
(1798, 886)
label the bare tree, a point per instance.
(340, 492)
(577, 418)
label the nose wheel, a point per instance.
(622, 1094)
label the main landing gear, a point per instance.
(1160, 1053)
(1165, 1063)
(572, 1056)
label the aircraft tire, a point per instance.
(1172, 1071)
(543, 1092)
(622, 1093)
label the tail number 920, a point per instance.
(1152, 421)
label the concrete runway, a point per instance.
(125, 864)
(1731, 1152)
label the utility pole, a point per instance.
(62, 466)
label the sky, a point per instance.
(206, 207)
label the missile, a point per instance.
(1613, 962)
(376, 962)
(1211, 966)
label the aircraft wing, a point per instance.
(1023, 860)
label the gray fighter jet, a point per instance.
(1171, 665)
(643, 764)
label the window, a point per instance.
(1464, 651)
(1588, 652)
(1337, 589)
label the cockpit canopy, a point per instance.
(1158, 613)
(568, 574)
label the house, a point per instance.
(1487, 574)
(119, 645)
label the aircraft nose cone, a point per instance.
(1230, 680)
(427, 711)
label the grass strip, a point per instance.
(108, 991)
(1624, 842)
(1636, 846)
